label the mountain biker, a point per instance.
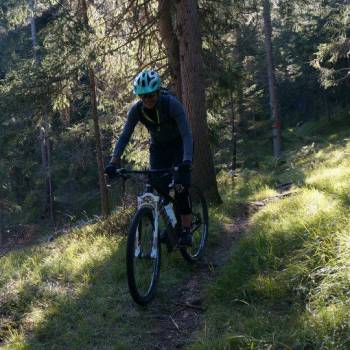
(171, 141)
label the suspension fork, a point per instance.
(155, 246)
(155, 237)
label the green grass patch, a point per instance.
(72, 293)
(287, 283)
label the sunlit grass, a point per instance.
(287, 285)
(36, 282)
(72, 293)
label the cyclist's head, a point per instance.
(146, 82)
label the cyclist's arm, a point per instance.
(178, 113)
(132, 119)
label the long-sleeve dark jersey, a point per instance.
(167, 123)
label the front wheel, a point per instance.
(199, 226)
(143, 256)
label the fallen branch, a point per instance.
(273, 198)
(174, 323)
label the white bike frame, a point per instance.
(151, 201)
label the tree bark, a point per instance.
(171, 43)
(99, 156)
(193, 95)
(46, 162)
(274, 102)
(33, 28)
(44, 137)
(233, 136)
(1, 218)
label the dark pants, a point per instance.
(167, 156)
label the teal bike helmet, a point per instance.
(146, 82)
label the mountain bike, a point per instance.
(157, 221)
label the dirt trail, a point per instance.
(183, 316)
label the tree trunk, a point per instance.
(274, 103)
(171, 43)
(33, 28)
(44, 137)
(46, 162)
(193, 95)
(99, 156)
(233, 137)
(1, 218)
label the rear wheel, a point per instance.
(143, 257)
(199, 226)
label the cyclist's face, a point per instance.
(150, 100)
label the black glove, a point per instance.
(183, 175)
(111, 170)
(185, 167)
(112, 167)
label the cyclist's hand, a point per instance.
(185, 167)
(111, 170)
(183, 176)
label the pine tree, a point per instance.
(193, 94)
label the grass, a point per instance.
(72, 293)
(287, 283)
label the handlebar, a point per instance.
(146, 171)
(125, 173)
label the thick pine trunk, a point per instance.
(1, 218)
(274, 103)
(193, 95)
(171, 43)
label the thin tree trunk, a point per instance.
(171, 43)
(99, 156)
(274, 103)
(44, 138)
(49, 187)
(46, 162)
(193, 95)
(233, 137)
(33, 28)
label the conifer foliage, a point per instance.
(66, 71)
